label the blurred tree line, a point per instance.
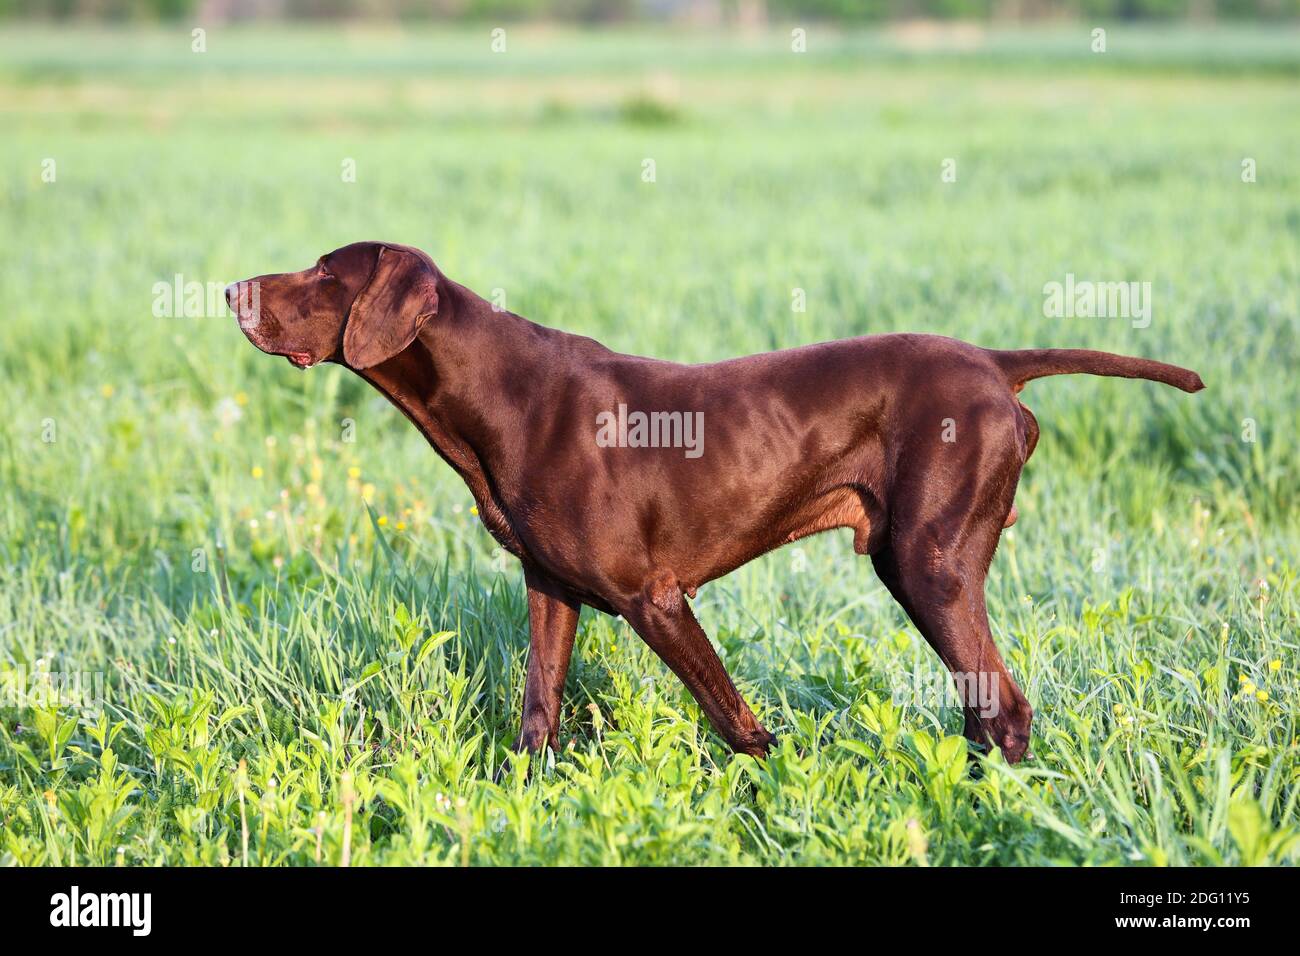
(704, 11)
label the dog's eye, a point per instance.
(323, 273)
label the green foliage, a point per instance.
(308, 641)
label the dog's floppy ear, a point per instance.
(387, 314)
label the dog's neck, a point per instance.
(454, 365)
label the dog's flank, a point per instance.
(914, 442)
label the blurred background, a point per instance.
(745, 13)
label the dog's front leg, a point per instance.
(553, 622)
(664, 620)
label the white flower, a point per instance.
(228, 412)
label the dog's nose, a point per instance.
(232, 296)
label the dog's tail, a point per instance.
(1023, 365)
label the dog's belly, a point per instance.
(844, 506)
(839, 508)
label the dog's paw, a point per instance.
(758, 743)
(1011, 730)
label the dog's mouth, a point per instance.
(254, 330)
(300, 359)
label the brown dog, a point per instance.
(625, 483)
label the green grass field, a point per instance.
(290, 677)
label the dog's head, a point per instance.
(359, 305)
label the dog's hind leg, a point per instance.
(947, 606)
(553, 623)
(663, 619)
(941, 542)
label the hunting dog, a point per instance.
(915, 442)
